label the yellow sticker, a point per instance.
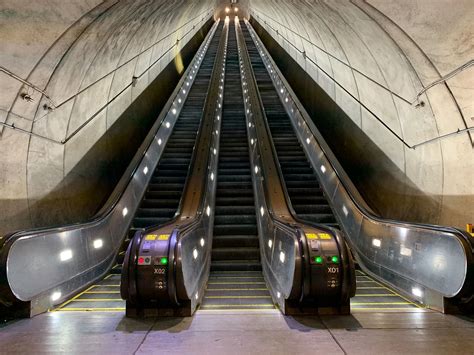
(311, 236)
(151, 237)
(324, 236)
(164, 237)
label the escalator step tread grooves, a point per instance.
(306, 195)
(236, 280)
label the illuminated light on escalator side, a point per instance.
(256, 170)
(376, 243)
(124, 211)
(168, 125)
(278, 294)
(323, 169)
(417, 292)
(174, 111)
(262, 211)
(98, 243)
(335, 259)
(195, 254)
(318, 260)
(159, 141)
(201, 242)
(405, 251)
(65, 255)
(270, 243)
(212, 176)
(308, 140)
(208, 211)
(344, 210)
(164, 261)
(55, 296)
(145, 170)
(282, 257)
(141, 261)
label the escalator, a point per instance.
(162, 198)
(304, 191)
(236, 280)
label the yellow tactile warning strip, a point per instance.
(373, 296)
(101, 297)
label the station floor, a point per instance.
(243, 332)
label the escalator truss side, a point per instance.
(431, 265)
(307, 267)
(166, 267)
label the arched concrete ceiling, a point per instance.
(375, 56)
(83, 54)
(70, 47)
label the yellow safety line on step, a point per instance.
(396, 293)
(106, 285)
(365, 281)
(237, 297)
(376, 295)
(235, 277)
(116, 309)
(239, 305)
(70, 300)
(236, 289)
(377, 303)
(370, 288)
(388, 309)
(101, 292)
(236, 283)
(98, 300)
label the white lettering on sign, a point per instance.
(159, 271)
(333, 270)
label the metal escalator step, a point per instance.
(226, 241)
(235, 229)
(236, 265)
(235, 253)
(235, 219)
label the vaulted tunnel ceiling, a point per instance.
(81, 56)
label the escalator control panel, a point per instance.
(325, 263)
(153, 263)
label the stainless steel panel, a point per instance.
(419, 260)
(57, 262)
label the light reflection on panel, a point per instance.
(410, 257)
(54, 263)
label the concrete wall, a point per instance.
(83, 54)
(380, 53)
(371, 59)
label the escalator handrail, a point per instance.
(109, 207)
(183, 228)
(288, 226)
(346, 181)
(297, 220)
(132, 168)
(466, 242)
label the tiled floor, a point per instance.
(245, 332)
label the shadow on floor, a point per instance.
(309, 323)
(170, 324)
